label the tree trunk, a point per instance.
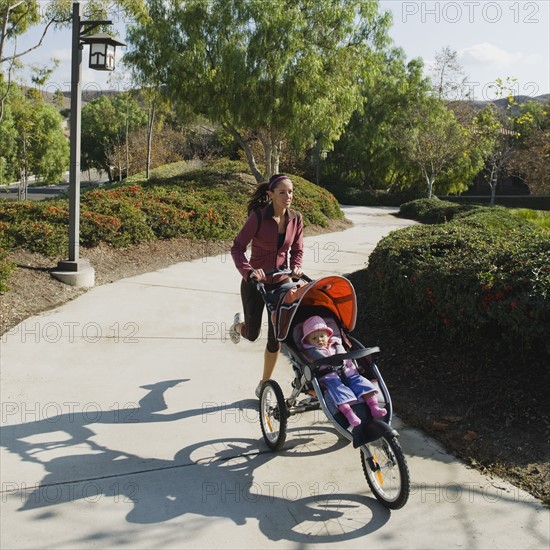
(275, 154)
(127, 143)
(248, 152)
(150, 123)
(275, 157)
(119, 148)
(430, 182)
(493, 179)
(24, 180)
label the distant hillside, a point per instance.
(87, 96)
(90, 95)
(503, 103)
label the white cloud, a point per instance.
(489, 54)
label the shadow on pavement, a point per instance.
(211, 479)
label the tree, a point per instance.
(496, 127)
(8, 142)
(286, 70)
(433, 140)
(41, 147)
(500, 141)
(448, 78)
(50, 146)
(18, 16)
(531, 159)
(367, 154)
(106, 124)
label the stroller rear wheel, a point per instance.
(273, 414)
(386, 471)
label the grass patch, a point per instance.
(538, 217)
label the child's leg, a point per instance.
(372, 403)
(342, 396)
(351, 417)
(364, 388)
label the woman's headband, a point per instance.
(275, 180)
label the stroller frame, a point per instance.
(382, 459)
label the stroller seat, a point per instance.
(361, 364)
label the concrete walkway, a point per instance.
(129, 420)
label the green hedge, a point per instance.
(355, 196)
(6, 267)
(481, 281)
(432, 210)
(199, 203)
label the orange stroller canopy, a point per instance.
(335, 293)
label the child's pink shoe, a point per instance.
(351, 417)
(375, 410)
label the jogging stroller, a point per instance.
(333, 299)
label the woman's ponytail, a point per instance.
(260, 198)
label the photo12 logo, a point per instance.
(491, 91)
(470, 12)
(52, 332)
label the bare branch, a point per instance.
(21, 54)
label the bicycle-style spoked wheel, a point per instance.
(387, 472)
(273, 414)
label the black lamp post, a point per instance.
(75, 271)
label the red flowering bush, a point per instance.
(207, 203)
(39, 236)
(468, 282)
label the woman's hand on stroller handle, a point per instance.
(259, 275)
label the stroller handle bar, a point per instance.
(337, 359)
(285, 271)
(284, 287)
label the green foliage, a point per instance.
(6, 267)
(358, 196)
(316, 205)
(49, 145)
(35, 226)
(366, 155)
(482, 280)
(205, 203)
(434, 141)
(120, 222)
(105, 121)
(31, 138)
(282, 70)
(538, 217)
(8, 143)
(432, 210)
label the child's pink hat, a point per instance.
(315, 323)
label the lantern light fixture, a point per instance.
(102, 51)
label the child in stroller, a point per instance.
(343, 387)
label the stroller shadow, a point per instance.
(211, 479)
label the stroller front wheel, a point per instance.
(386, 470)
(273, 415)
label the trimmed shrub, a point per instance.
(482, 280)
(357, 196)
(6, 267)
(120, 209)
(432, 210)
(180, 200)
(39, 236)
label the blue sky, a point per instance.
(505, 38)
(493, 39)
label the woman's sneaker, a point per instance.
(258, 389)
(233, 333)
